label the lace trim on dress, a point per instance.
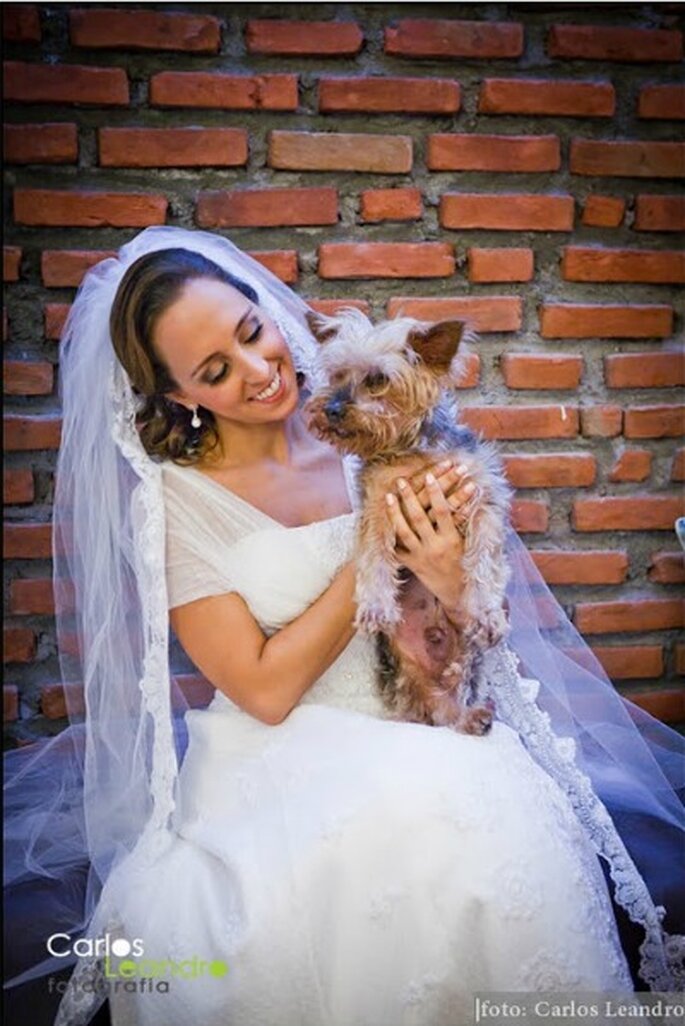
(662, 955)
(87, 986)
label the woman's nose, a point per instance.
(254, 366)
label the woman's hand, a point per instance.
(450, 478)
(432, 551)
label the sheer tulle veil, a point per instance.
(79, 804)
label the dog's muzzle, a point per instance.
(336, 406)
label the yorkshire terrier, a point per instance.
(386, 399)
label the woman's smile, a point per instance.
(273, 392)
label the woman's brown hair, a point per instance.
(148, 288)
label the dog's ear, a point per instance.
(322, 328)
(437, 345)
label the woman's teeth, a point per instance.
(271, 389)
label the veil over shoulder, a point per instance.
(78, 804)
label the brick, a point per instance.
(667, 705)
(55, 316)
(571, 320)
(224, 92)
(628, 615)
(680, 659)
(142, 29)
(65, 83)
(31, 597)
(490, 265)
(645, 370)
(196, 690)
(483, 313)
(589, 567)
(667, 567)
(172, 147)
(551, 470)
(60, 700)
(655, 422)
(20, 645)
(604, 211)
(10, 703)
(630, 158)
(630, 662)
(666, 102)
(59, 208)
(281, 262)
(602, 421)
(340, 151)
(40, 144)
(424, 37)
(28, 377)
(477, 152)
(386, 260)
(541, 371)
(303, 38)
(330, 307)
(627, 513)
(390, 205)
(507, 212)
(553, 97)
(529, 516)
(599, 263)
(632, 465)
(63, 268)
(20, 23)
(388, 95)
(262, 208)
(17, 486)
(522, 421)
(27, 541)
(11, 261)
(678, 466)
(659, 213)
(23, 432)
(611, 43)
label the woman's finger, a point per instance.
(415, 513)
(447, 475)
(403, 532)
(440, 508)
(460, 504)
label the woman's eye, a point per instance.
(219, 376)
(376, 382)
(255, 334)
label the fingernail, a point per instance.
(461, 469)
(444, 465)
(402, 484)
(389, 498)
(469, 487)
(430, 479)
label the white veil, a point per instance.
(79, 804)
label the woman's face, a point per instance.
(226, 354)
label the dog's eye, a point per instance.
(376, 381)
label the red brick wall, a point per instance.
(525, 173)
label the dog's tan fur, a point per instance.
(382, 386)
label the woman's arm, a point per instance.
(266, 676)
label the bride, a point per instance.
(290, 855)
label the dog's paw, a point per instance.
(452, 676)
(375, 619)
(478, 719)
(490, 628)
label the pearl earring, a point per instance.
(195, 422)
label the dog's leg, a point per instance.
(378, 607)
(485, 577)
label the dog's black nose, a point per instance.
(335, 408)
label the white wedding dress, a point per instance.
(348, 869)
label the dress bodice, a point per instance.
(218, 542)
